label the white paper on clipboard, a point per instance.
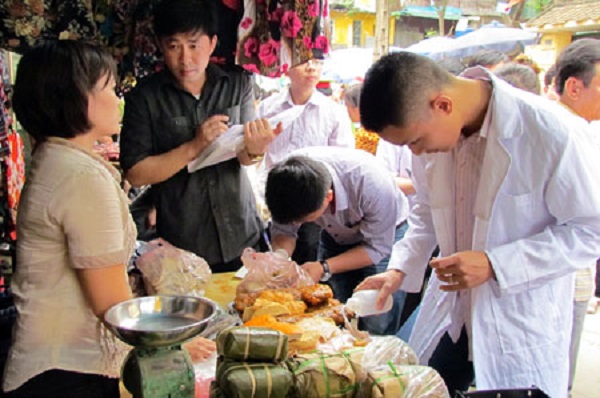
(228, 144)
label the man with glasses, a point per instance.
(321, 123)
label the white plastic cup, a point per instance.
(362, 303)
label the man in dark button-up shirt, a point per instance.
(174, 115)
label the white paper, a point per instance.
(228, 144)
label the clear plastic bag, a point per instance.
(167, 269)
(384, 350)
(271, 270)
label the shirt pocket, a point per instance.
(528, 320)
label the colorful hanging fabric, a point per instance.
(14, 165)
(275, 35)
(24, 22)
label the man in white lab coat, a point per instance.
(509, 190)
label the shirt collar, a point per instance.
(480, 73)
(340, 194)
(315, 99)
(64, 142)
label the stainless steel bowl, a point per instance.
(157, 321)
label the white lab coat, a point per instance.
(537, 216)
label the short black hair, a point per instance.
(577, 60)
(296, 188)
(185, 16)
(486, 58)
(53, 84)
(396, 89)
(519, 76)
(549, 75)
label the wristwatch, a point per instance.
(326, 271)
(255, 158)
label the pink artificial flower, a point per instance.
(251, 68)
(313, 9)
(276, 15)
(322, 43)
(291, 24)
(246, 23)
(307, 42)
(284, 68)
(251, 47)
(269, 52)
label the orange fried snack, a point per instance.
(316, 294)
(269, 321)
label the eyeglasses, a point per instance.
(314, 63)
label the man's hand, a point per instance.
(387, 283)
(258, 135)
(207, 132)
(314, 269)
(462, 270)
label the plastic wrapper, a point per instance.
(384, 350)
(204, 374)
(252, 344)
(322, 375)
(169, 270)
(253, 379)
(404, 382)
(356, 356)
(270, 270)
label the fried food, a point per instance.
(269, 321)
(316, 294)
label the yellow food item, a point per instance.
(366, 140)
(269, 321)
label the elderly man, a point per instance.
(578, 87)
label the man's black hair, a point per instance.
(184, 16)
(396, 89)
(578, 60)
(296, 188)
(519, 76)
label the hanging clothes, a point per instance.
(24, 22)
(13, 160)
(275, 35)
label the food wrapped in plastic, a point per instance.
(388, 349)
(319, 374)
(270, 270)
(253, 379)
(169, 270)
(252, 344)
(356, 357)
(404, 382)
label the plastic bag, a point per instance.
(270, 270)
(169, 270)
(385, 350)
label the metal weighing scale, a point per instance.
(156, 326)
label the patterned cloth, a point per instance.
(275, 34)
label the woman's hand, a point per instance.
(200, 349)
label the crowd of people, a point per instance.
(483, 187)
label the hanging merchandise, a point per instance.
(24, 22)
(275, 35)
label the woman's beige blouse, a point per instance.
(73, 214)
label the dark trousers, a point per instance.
(57, 383)
(307, 244)
(451, 360)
